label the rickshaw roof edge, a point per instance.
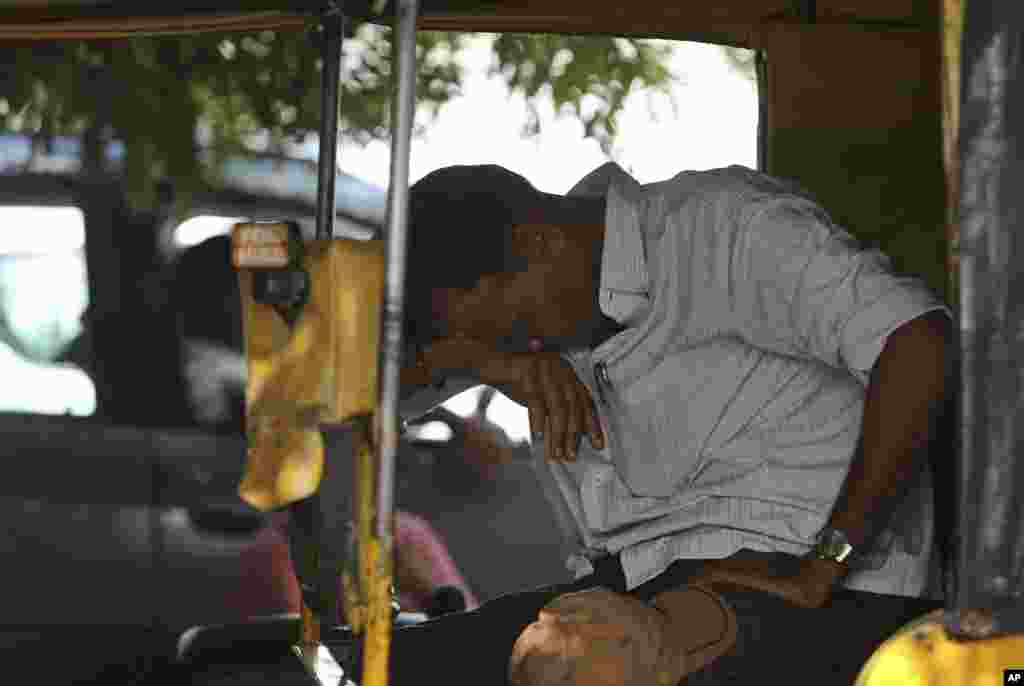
(737, 22)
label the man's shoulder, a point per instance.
(733, 182)
(734, 195)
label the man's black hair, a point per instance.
(460, 228)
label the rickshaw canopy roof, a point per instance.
(737, 22)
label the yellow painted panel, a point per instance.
(323, 371)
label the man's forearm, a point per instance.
(905, 394)
(427, 382)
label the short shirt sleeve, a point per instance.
(801, 286)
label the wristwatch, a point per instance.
(831, 544)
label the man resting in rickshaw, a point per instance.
(728, 394)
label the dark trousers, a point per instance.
(777, 641)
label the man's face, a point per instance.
(549, 297)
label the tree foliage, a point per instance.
(743, 61)
(575, 68)
(232, 92)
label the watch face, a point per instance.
(832, 545)
(838, 551)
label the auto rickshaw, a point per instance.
(865, 103)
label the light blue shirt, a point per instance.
(732, 402)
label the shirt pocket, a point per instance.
(661, 422)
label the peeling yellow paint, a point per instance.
(377, 641)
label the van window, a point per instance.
(44, 293)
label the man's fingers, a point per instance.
(574, 421)
(536, 422)
(554, 402)
(560, 407)
(590, 420)
(537, 408)
(553, 439)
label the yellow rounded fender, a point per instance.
(922, 653)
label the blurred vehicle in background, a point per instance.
(118, 480)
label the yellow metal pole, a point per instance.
(377, 643)
(355, 579)
(367, 582)
(309, 643)
(368, 588)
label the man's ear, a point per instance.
(535, 241)
(440, 311)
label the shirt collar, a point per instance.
(624, 278)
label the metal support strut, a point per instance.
(394, 284)
(306, 514)
(378, 634)
(327, 164)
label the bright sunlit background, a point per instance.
(43, 294)
(708, 120)
(195, 230)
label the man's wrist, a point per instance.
(824, 572)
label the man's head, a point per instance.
(492, 258)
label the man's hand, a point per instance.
(803, 582)
(560, 406)
(592, 638)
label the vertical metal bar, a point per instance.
(380, 548)
(307, 513)
(398, 196)
(990, 591)
(761, 76)
(327, 163)
(807, 11)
